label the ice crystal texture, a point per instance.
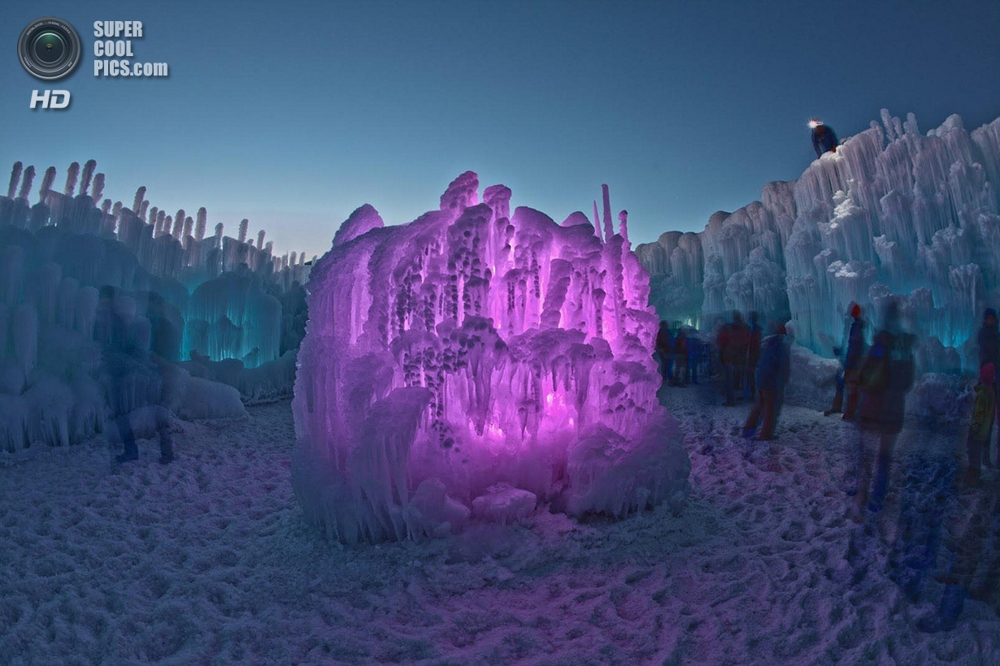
(473, 363)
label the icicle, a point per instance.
(71, 174)
(15, 179)
(88, 172)
(29, 178)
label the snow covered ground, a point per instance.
(210, 561)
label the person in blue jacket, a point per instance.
(823, 136)
(853, 354)
(772, 377)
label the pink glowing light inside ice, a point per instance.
(467, 348)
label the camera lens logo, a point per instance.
(49, 48)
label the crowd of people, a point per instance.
(942, 523)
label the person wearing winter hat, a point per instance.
(853, 349)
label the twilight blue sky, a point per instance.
(294, 113)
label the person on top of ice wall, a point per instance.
(885, 378)
(853, 350)
(823, 138)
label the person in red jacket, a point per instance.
(740, 346)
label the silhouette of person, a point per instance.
(989, 352)
(681, 351)
(823, 138)
(665, 350)
(130, 378)
(885, 378)
(772, 376)
(853, 350)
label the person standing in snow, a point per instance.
(989, 352)
(981, 428)
(885, 378)
(665, 350)
(753, 357)
(130, 379)
(727, 359)
(823, 138)
(772, 376)
(853, 359)
(680, 359)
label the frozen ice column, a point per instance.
(473, 363)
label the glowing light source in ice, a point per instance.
(472, 354)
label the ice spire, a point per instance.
(140, 194)
(15, 178)
(71, 174)
(167, 221)
(623, 224)
(29, 178)
(88, 173)
(98, 189)
(244, 226)
(597, 222)
(106, 206)
(608, 227)
(178, 225)
(199, 228)
(269, 247)
(188, 226)
(260, 239)
(47, 180)
(218, 235)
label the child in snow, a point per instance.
(981, 428)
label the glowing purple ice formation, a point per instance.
(470, 364)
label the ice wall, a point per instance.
(244, 322)
(56, 253)
(892, 211)
(473, 363)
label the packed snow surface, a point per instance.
(471, 348)
(209, 560)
